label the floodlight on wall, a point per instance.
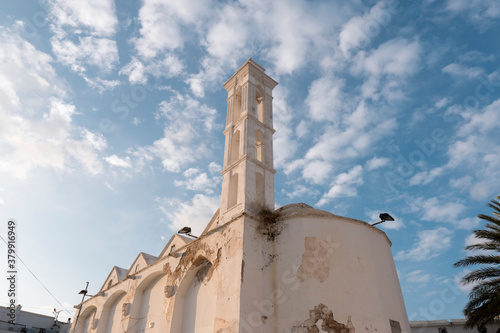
(384, 217)
(186, 231)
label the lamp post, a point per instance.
(83, 293)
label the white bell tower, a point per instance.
(248, 173)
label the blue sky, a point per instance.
(111, 119)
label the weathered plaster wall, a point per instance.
(196, 281)
(317, 273)
(320, 264)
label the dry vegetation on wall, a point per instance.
(269, 221)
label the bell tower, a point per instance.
(248, 173)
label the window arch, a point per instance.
(198, 287)
(236, 107)
(259, 103)
(259, 186)
(86, 320)
(235, 147)
(259, 149)
(233, 191)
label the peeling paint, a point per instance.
(315, 261)
(328, 323)
(170, 291)
(223, 326)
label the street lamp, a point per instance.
(384, 217)
(83, 293)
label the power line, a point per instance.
(21, 260)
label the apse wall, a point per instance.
(320, 270)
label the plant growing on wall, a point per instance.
(269, 223)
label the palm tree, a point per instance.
(484, 298)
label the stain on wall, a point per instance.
(315, 261)
(223, 326)
(321, 315)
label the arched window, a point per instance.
(259, 104)
(236, 108)
(259, 151)
(235, 147)
(233, 191)
(259, 187)
(110, 283)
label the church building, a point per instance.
(255, 269)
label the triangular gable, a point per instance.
(177, 241)
(213, 222)
(116, 275)
(142, 261)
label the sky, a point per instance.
(111, 120)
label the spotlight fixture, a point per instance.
(384, 217)
(186, 231)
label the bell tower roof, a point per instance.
(250, 64)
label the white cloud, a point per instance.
(36, 124)
(426, 177)
(137, 72)
(429, 244)
(99, 52)
(377, 162)
(482, 13)
(195, 213)
(214, 167)
(317, 171)
(418, 276)
(325, 99)
(462, 71)
(465, 288)
(285, 145)
(481, 122)
(199, 181)
(301, 190)
(344, 185)
(83, 32)
(162, 24)
(359, 30)
(395, 60)
(434, 210)
(119, 162)
(96, 17)
(188, 123)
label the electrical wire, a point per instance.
(21, 260)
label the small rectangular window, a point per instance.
(395, 326)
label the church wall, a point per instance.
(148, 300)
(320, 266)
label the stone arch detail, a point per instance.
(148, 306)
(112, 314)
(87, 320)
(196, 298)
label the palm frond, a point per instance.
(484, 298)
(485, 273)
(480, 259)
